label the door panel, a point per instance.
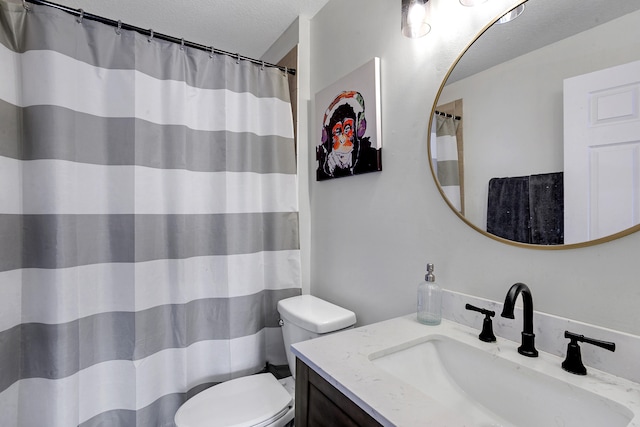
(602, 152)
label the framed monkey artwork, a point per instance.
(349, 130)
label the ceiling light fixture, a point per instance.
(512, 14)
(415, 18)
(471, 2)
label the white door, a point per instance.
(601, 152)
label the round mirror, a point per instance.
(535, 134)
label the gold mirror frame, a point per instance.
(587, 243)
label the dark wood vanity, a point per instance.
(319, 404)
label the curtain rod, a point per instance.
(448, 115)
(121, 25)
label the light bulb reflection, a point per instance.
(415, 18)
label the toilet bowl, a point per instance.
(261, 400)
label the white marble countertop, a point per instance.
(344, 360)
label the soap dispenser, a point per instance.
(429, 299)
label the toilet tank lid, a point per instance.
(314, 314)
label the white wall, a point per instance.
(371, 235)
(298, 34)
(513, 120)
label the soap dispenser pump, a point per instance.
(429, 299)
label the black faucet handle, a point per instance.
(487, 327)
(573, 361)
(480, 310)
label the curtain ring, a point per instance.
(182, 44)
(150, 36)
(119, 28)
(237, 58)
(26, 6)
(286, 71)
(211, 54)
(262, 66)
(80, 17)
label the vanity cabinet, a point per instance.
(319, 404)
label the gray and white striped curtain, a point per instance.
(148, 221)
(444, 153)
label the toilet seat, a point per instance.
(254, 400)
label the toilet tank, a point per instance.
(306, 317)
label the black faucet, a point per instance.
(487, 334)
(528, 337)
(573, 362)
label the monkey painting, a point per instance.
(344, 148)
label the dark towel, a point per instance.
(527, 209)
(546, 195)
(508, 208)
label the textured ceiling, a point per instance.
(247, 27)
(526, 33)
(250, 27)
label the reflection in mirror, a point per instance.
(537, 96)
(447, 152)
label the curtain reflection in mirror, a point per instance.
(447, 152)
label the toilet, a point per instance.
(261, 400)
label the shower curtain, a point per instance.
(445, 152)
(148, 220)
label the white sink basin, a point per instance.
(480, 384)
